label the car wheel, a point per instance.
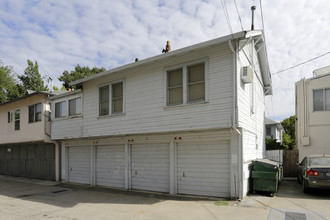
(305, 189)
(299, 179)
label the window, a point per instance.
(186, 84)
(10, 116)
(104, 100)
(268, 131)
(175, 87)
(60, 109)
(117, 98)
(111, 99)
(35, 113)
(196, 83)
(17, 119)
(75, 106)
(321, 100)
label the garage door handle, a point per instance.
(70, 168)
(183, 174)
(135, 172)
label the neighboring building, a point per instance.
(313, 113)
(274, 130)
(26, 149)
(188, 121)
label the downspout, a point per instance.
(57, 144)
(237, 179)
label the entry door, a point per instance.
(110, 166)
(79, 164)
(203, 169)
(150, 167)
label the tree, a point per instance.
(78, 73)
(31, 78)
(9, 87)
(289, 135)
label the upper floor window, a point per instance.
(35, 113)
(75, 106)
(321, 100)
(60, 109)
(17, 119)
(186, 84)
(111, 99)
(10, 116)
(268, 131)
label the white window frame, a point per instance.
(111, 113)
(19, 119)
(34, 113)
(66, 100)
(324, 99)
(70, 99)
(66, 113)
(185, 82)
(10, 117)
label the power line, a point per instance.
(301, 63)
(227, 16)
(239, 16)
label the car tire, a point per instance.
(305, 188)
(298, 179)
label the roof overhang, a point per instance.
(260, 47)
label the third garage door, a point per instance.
(110, 166)
(203, 168)
(150, 167)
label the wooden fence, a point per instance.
(290, 160)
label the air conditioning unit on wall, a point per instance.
(247, 74)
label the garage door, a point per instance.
(203, 169)
(110, 166)
(79, 164)
(150, 167)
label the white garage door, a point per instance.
(150, 167)
(110, 166)
(79, 164)
(203, 169)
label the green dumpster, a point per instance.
(266, 175)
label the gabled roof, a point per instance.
(256, 34)
(271, 122)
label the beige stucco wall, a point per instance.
(311, 125)
(28, 131)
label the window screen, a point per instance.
(196, 82)
(104, 100)
(175, 87)
(117, 98)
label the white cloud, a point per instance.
(61, 34)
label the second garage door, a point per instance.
(203, 169)
(150, 167)
(110, 166)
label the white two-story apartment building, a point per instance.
(26, 149)
(188, 121)
(313, 114)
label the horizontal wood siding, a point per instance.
(145, 96)
(251, 113)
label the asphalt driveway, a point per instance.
(33, 199)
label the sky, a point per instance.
(59, 34)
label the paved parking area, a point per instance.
(33, 199)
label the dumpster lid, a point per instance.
(268, 161)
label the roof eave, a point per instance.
(163, 56)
